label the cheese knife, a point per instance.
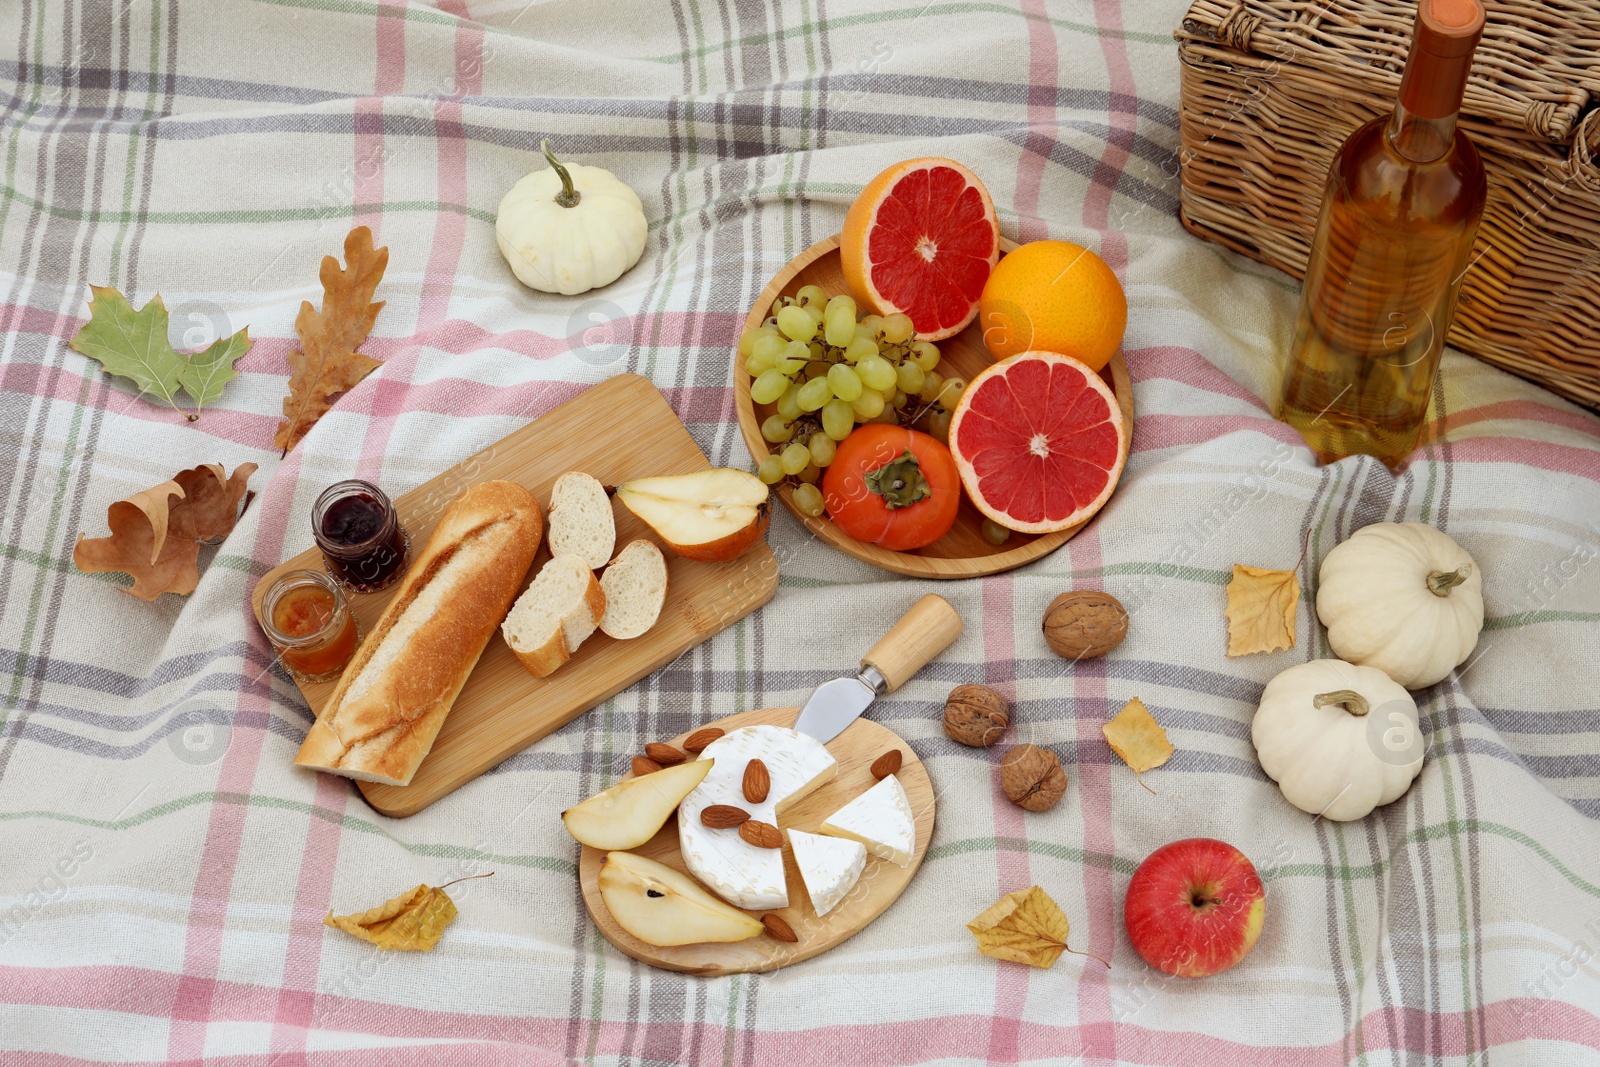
(920, 635)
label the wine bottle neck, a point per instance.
(1443, 39)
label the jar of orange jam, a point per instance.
(307, 620)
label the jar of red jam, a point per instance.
(363, 543)
(306, 618)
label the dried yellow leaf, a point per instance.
(1134, 734)
(411, 922)
(1261, 610)
(1024, 927)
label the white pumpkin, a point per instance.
(569, 229)
(1402, 597)
(1338, 739)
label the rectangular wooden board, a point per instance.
(620, 429)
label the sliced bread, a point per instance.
(581, 522)
(555, 614)
(635, 585)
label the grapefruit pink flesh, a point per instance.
(1038, 441)
(930, 243)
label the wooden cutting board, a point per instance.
(620, 429)
(880, 885)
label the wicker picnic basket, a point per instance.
(1271, 88)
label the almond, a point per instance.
(756, 781)
(761, 834)
(778, 929)
(665, 755)
(722, 816)
(697, 741)
(643, 766)
(886, 764)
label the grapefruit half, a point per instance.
(921, 239)
(1038, 441)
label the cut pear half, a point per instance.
(709, 515)
(630, 812)
(661, 906)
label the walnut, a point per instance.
(1085, 623)
(1032, 777)
(976, 715)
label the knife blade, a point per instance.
(919, 635)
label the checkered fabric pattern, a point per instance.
(164, 871)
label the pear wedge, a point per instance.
(661, 906)
(630, 812)
(709, 515)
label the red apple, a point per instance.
(1195, 907)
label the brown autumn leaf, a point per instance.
(327, 363)
(411, 922)
(156, 538)
(1134, 734)
(1024, 927)
(1261, 610)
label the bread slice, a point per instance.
(392, 698)
(581, 522)
(555, 614)
(635, 584)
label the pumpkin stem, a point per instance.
(1353, 702)
(1441, 582)
(568, 196)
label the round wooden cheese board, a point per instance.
(880, 885)
(963, 552)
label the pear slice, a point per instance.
(709, 515)
(630, 812)
(661, 906)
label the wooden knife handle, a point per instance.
(920, 635)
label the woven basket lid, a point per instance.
(1536, 72)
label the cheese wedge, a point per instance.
(829, 866)
(737, 871)
(880, 819)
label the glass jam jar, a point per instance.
(306, 618)
(363, 543)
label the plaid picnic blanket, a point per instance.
(164, 871)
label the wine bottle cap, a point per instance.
(1442, 43)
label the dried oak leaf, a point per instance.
(156, 540)
(1134, 734)
(1024, 927)
(1261, 610)
(327, 363)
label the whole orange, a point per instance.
(1053, 296)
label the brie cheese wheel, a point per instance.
(737, 871)
(829, 866)
(880, 819)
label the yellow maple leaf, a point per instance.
(1261, 610)
(1134, 734)
(1024, 927)
(411, 922)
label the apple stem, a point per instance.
(1091, 955)
(465, 878)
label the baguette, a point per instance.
(580, 519)
(555, 615)
(393, 697)
(635, 585)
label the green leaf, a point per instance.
(131, 344)
(206, 372)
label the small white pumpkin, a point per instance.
(570, 229)
(1402, 597)
(1338, 739)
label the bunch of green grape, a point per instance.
(828, 370)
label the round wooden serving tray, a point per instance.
(963, 552)
(880, 885)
